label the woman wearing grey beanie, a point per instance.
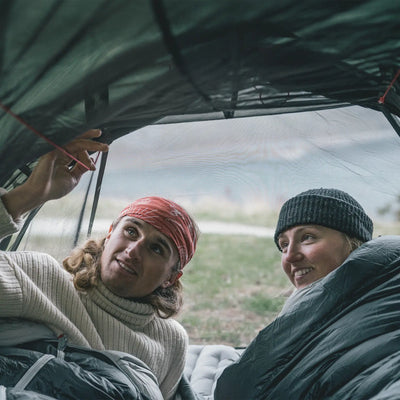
(337, 335)
(316, 232)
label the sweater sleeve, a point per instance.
(177, 336)
(35, 287)
(8, 226)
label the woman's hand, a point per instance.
(54, 177)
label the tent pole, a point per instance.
(97, 191)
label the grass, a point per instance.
(253, 212)
(261, 304)
(234, 286)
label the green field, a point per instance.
(233, 288)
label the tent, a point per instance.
(148, 67)
(122, 65)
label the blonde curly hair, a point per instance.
(84, 265)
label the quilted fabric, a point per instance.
(204, 365)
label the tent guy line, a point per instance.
(36, 132)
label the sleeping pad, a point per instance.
(340, 340)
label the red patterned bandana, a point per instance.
(170, 219)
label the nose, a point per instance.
(292, 253)
(134, 248)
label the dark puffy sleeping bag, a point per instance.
(13, 394)
(42, 368)
(340, 340)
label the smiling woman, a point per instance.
(316, 232)
(309, 252)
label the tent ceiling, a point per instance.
(121, 65)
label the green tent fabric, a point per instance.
(121, 65)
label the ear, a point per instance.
(172, 279)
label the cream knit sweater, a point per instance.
(34, 286)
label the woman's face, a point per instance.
(310, 252)
(137, 259)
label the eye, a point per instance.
(156, 248)
(283, 245)
(307, 237)
(131, 232)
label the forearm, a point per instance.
(19, 201)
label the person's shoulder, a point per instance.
(177, 331)
(177, 326)
(174, 325)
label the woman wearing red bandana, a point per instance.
(124, 288)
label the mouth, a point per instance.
(126, 268)
(301, 272)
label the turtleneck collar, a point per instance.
(130, 312)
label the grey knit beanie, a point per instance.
(332, 208)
